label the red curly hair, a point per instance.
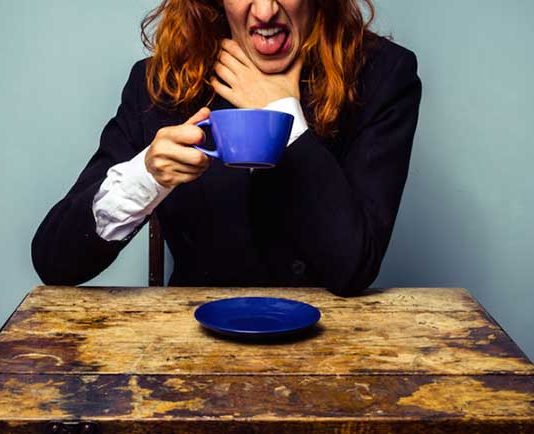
(184, 36)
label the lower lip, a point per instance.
(275, 46)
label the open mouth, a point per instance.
(270, 40)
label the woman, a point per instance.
(322, 217)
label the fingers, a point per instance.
(175, 165)
(188, 169)
(235, 51)
(185, 134)
(225, 73)
(228, 67)
(182, 155)
(202, 114)
(230, 62)
(173, 145)
(172, 179)
(172, 165)
(224, 91)
(170, 157)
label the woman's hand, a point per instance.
(170, 158)
(247, 86)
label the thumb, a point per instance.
(202, 114)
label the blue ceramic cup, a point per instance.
(248, 138)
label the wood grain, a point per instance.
(402, 360)
(173, 299)
(105, 331)
(343, 402)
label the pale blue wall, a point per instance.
(467, 215)
(64, 64)
(467, 210)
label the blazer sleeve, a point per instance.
(339, 211)
(66, 249)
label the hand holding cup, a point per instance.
(171, 158)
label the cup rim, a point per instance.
(250, 165)
(250, 110)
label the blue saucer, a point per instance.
(256, 316)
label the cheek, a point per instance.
(235, 21)
(235, 12)
(298, 13)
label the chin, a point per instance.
(273, 66)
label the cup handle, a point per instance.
(215, 153)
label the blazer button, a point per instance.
(298, 267)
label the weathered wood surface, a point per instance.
(352, 401)
(418, 360)
(152, 331)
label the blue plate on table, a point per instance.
(257, 316)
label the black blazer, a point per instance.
(322, 217)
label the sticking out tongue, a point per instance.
(270, 45)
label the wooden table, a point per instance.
(133, 360)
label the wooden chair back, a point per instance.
(156, 258)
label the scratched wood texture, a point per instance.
(134, 360)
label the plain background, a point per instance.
(466, 215)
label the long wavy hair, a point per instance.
(184, 36)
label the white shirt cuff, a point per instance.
(291, 106)
(126, 197)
